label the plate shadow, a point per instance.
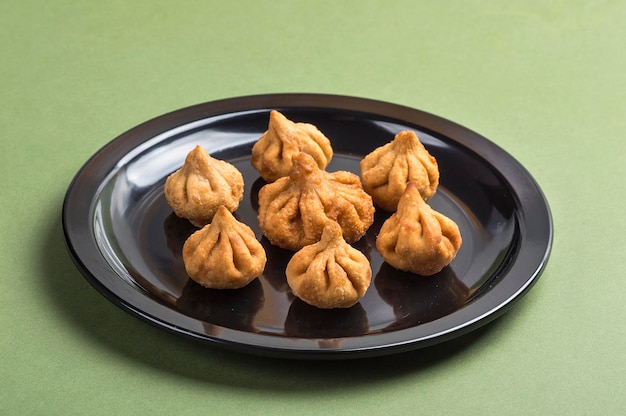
(103, 323)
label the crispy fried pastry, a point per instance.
(224, 254)
(201, 185)
(330, 273)
(416, 238)
(386, 170)
(272, 153)
(294, 210)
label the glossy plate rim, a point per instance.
(532, 210)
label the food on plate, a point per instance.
(387, 170)
(224, 254)
(272, 153)
(416, 238)
(330, 273)
(201, 185)
(294, 210)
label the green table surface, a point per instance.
(545, 80)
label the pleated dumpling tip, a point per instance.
(386, 171)
(201, 185)
(294, 210)
(272, 154)
(224, 254)
(331, 273)
(416, 238)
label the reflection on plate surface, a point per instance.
(125, 239)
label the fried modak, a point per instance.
(294, 209)
(416, 238)
(386, 170)
(272, 154)
(224, 254)
(201, 185)
(331, 273)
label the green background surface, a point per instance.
(544, 80)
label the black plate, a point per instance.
(125, 240)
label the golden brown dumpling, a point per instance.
(417, 238)
(294, 210)
(201, 185)
(224, 254)
(386, 170)
(330, 273)
(272, 153)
